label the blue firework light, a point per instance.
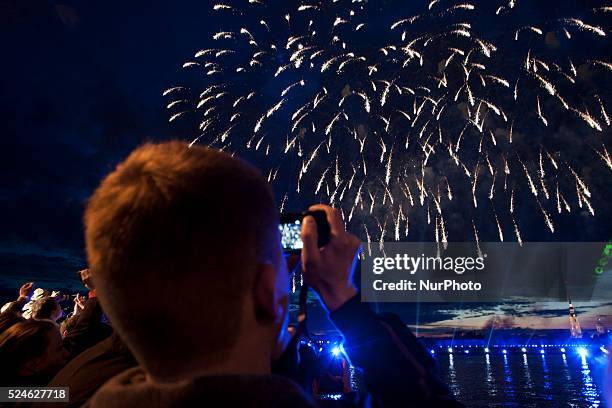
(474, 113)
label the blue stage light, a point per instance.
(466, 351)
(432, 351)
(450, 349)
(504, 351)
(336, 351)
(563, 349)
(524, 350)
(541, 351)
(486, 350)
(583, 352)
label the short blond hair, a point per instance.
(173, 235)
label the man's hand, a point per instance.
(329, 270)
(79, 304)
(26, 290)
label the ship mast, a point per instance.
(575, 330)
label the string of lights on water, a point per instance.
(524, 374)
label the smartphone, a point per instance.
(290, 228)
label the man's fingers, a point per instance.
(334, 218)
(26, 287)
(310, 251)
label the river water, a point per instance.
(524, 379)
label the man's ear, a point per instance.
(264, 294)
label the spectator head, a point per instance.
(39, 293)
(47, 308)
(9, 318)
(30, 349)
(183, 246)
(85, 277)
(67, 325)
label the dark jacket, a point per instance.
(88, 330)
(398, 371)
(16, 306)
(88, 371)
(132, 389)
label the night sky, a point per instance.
(81, 87)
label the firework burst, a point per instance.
(426, 115)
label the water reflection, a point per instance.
(526, 372)
(509, 388)
(453, 376)
(588, 388)
(566, 371)
(489, 377)
(546, 373)
(523, 379)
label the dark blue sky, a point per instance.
(80, 87)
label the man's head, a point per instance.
(31, 348)
(47, 308)
(85, 277)
(67, 325)
(183, 246)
